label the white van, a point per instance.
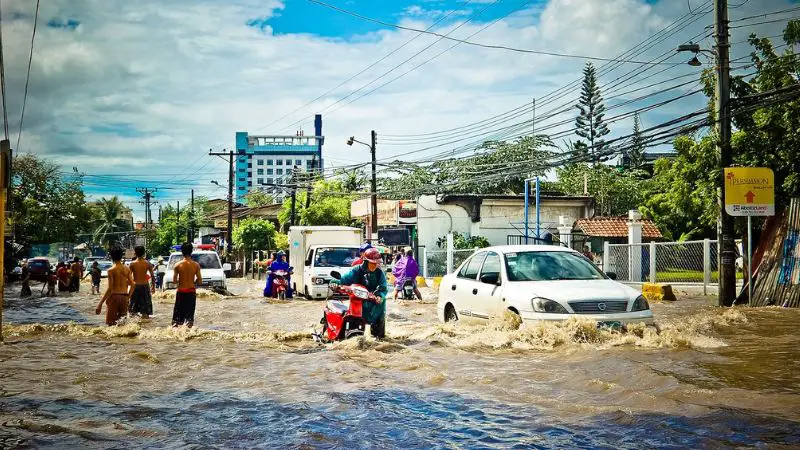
(211, 269)
(320, 261)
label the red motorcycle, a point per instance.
(343, 319)
(280, 284)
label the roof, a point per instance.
(615, 227)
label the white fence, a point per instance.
(690, 262)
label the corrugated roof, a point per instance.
(615, 227)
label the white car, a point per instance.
(537, 282)
(104, 265)
(211, 269)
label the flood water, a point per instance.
(249, 375)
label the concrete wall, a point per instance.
(499, 218)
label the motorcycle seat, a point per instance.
(338, 306)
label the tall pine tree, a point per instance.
(635, 154)
(589, 124)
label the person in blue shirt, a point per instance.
(370, 275)
(279, 263)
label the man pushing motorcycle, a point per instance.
(370, 275)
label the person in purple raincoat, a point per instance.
(406, 269)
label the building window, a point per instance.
(260, 171)
(243, 179)
(260, 162)
(269, 171)
(288, 162)
(278, 162)
(269, 162)
(270, 181)
(243, 170)
(260, 181)
(279, 171)
(249, 183)
(288, 171)
(249, 165)
(298, 162)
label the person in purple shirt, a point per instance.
(406, 269)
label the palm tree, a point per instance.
(107, 213)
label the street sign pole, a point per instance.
(749, 258)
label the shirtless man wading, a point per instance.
(187, 276)
(120, 285)
(141, 298)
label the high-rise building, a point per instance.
(268, 162)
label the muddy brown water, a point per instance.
(249, 375)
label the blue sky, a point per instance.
(134, 94)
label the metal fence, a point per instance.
(434, 262)
(690, 262)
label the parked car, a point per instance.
(211, 269)
(104, 265)
(537, 282)
(87, 262)
(38, 268)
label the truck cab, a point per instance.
(320, 261)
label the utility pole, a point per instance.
(374, 186)
(178, 221)
(190, 231)
(533, 120)
(5, 175)
(294, 195)
(229, 237)
(310, 180)
(147, 194)
(727, 270)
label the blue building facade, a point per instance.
(267, 162)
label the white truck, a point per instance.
(316, 251)
(211, 269)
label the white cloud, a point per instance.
(186, 75)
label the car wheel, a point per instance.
(450, 313)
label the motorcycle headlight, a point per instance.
(545, 305)
(640, 304)
(361, 292)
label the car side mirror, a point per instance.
(335, 274)
(226, 267)
(611, 275)
(491, 278)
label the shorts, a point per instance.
(141, 301)
(96, 283)
(183, 312)
(116, 308)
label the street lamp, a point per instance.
(727, 256)
(374, 196)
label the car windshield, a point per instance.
(206, 260)
(335, 257)
(104, 265)
(542, 266)
(39, 264)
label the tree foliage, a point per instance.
(330, 205)
(635, 155)
(590, 124)
(615, 192)
(254, 234)
(505, 165)
(463, 241)
(107, 220)
(257, 198)
(47, 206)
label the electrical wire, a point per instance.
(477, 44)
(28, 75)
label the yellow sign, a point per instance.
(749, 191)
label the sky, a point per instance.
(134, 94)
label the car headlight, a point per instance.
(319, 280)
(640, 304)
(545, 305)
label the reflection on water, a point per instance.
(372, 418)
(249, 375)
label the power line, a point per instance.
(464, 41)
(28, 76)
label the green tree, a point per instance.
(47, 205)
(615, 192)
(590, 124)
(254, 234)
(330, 205)
(463, 241)
(257, 198)
(108, 221)
(281, 241)
(635, 155)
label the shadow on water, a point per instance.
(37, 309)
(197, 419)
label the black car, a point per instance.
(38, 268)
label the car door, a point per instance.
(464, 288)
(486, 303)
